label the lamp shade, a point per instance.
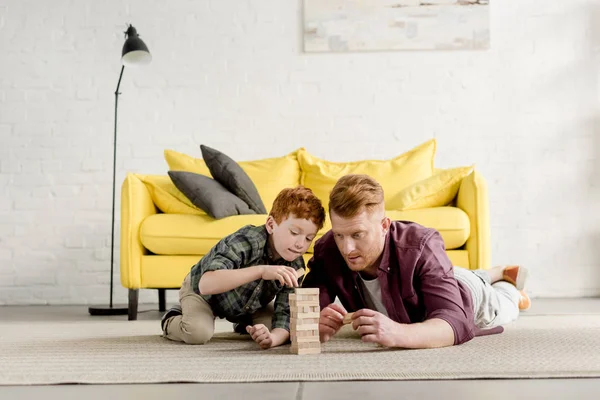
(135, 52)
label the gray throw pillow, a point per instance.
(209, 195)
(232, 176)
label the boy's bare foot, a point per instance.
(524, 301)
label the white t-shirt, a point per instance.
(372, 292)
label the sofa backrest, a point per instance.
(410, 175)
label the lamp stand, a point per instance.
(111, 310)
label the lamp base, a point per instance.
(107, 310)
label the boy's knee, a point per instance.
(198, 333)
(199, 336)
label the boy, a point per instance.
(242, 274)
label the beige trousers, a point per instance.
(196, 325)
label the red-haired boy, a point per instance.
(244, 272)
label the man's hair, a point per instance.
(301, 202)
(354, 193)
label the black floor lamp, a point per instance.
(135, 53)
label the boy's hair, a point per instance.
(354, 193)
(301, 202)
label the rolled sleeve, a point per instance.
(440, 291)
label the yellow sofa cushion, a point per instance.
(167, 197)
(269, 175)
(182, 162)
(190, 234)
(177, 234)
(393, 175)
(435, 191)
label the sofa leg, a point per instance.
(162, 300)
(133, 304)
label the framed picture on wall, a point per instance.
(369, 25)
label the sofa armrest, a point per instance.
(473, 199)
(136, 205)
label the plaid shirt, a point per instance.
(245, 248)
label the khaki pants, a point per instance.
(196, 325)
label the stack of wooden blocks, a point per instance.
(304, 321)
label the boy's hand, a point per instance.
(285, 275)
(261, 335)
(331, 320)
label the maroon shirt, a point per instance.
(416, 277)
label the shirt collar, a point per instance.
(268, 252)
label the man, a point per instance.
(398, 280)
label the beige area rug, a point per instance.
(134, 352)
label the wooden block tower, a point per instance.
(304, 321)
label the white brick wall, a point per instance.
(232, 74)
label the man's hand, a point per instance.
(374, 327)
(330, 321)
(261, 335)
(285, 275)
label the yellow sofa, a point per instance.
(158, 248)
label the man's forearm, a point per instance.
(429, 334)
(221, 281)
(280, 336)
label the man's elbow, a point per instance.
(446, 336)
(462, 332)
(456, 330)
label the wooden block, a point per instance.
(305, 339)
(300, 272)
(304, 321)
(303, 297)
(348, 318)
(301, 352)
(312, 345)
(305, 327)
(300, 298)
(303, 303)
(298, 334)
(297, 310)
(307, 291)
(313, 332)
(296, 314)
(306, 345)
(306, 297)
